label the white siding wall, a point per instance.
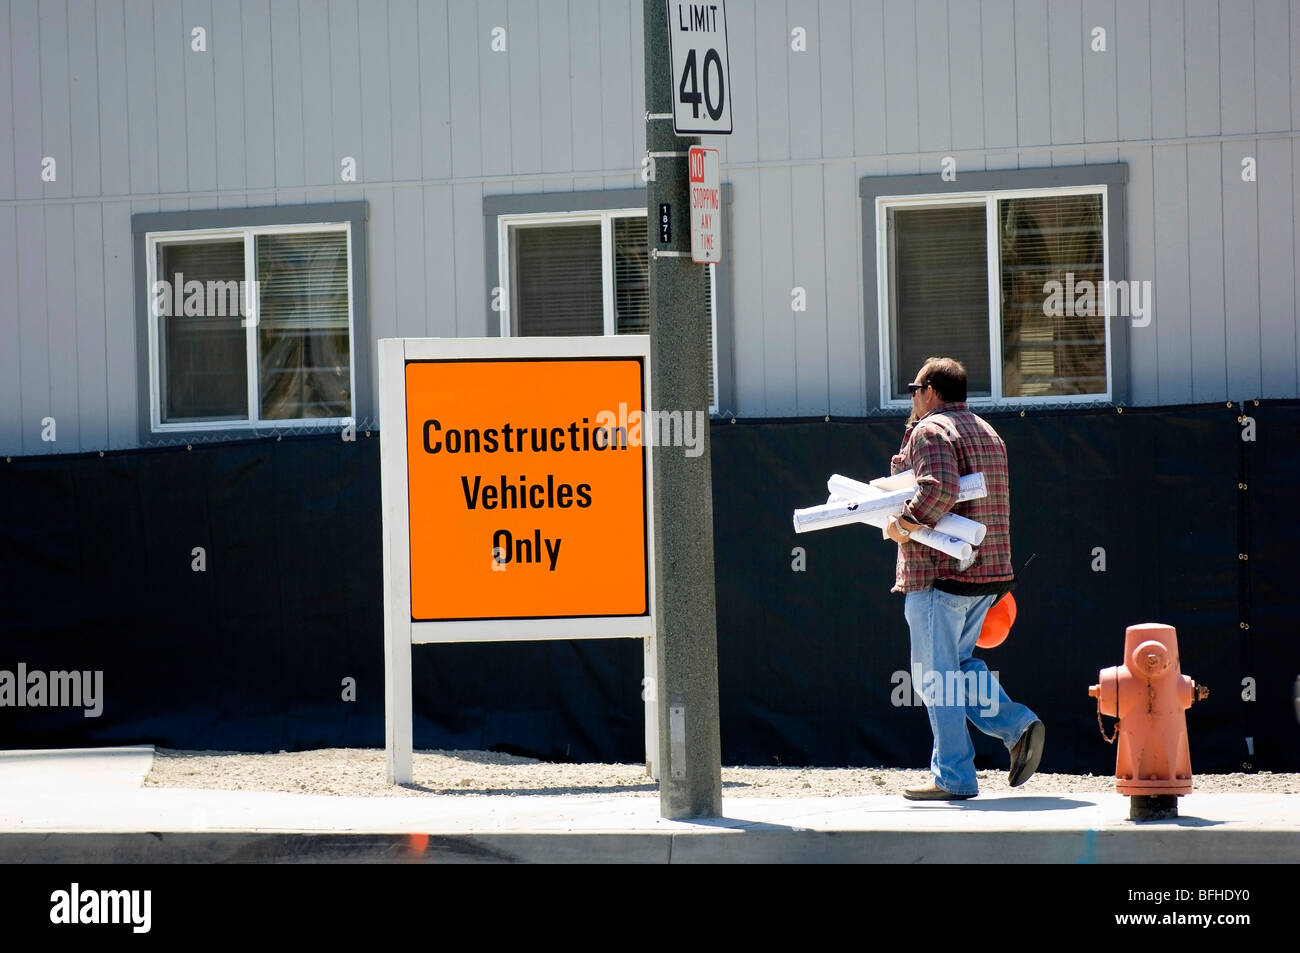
(436, 119)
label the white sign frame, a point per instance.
(685, 50)
(400, 632)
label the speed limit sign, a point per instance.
(701, 78)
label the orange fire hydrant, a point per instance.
(1149, 695)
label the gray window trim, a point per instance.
(353, 213)
(1113, 176)
(494, 206)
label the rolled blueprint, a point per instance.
(873, 503)
(969, 487)
(950, 524)
(876, 513)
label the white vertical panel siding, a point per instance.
(1100, 98)
(1237, 66)
(1205, 269)
(200, 101)
(259, 116)
(381, 252)
(772, 85)
(407, 267)
(55, 98)
(615, 90)
(435, 90)
(556, 127)
(846, 319)
(1201, 40)
(835, 64)
(1139, 210)
(1272, 66)
(439, 265)
(473, 285)
(1170, 281)
(934, 111)
(1277, 330)
(1033, 75)
(779, 321)
(377, 110)
(745, 231)
(494, 87)
(345, 89)
(1066, 38)
(11, 382)
(966, 79)
(286, 94)
(902, 129)
(1132, 45)
(525, 89)
(413, 91)
(1241, 272)
(92, 353)
(1172, 49)
(83, 63)
(584, 84)
(7, 170)
(742, 56)
(869, 123)
(120, 322)
(171, 43)
(807, 110)
(226, 42)
(33, 327)
(404, 71)
(811, 338)
(25, 66)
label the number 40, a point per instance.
(692, 96)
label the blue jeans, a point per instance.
(944, 628)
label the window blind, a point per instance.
(1054, 238)
(203, 357)
(304, 354)
(557, 280)
(939, 292)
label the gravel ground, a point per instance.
(360, 772)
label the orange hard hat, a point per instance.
(997, 623)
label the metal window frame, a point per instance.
(881, 193)
(150, 229)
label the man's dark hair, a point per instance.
(948, 378)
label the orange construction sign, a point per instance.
(527, 495)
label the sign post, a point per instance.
(686, 81)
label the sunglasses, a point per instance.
(916, 387)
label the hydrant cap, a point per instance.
(1150, 660)
(997, 623)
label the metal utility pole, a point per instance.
(690, 750)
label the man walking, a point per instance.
(945, 600)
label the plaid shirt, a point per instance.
(947, 443)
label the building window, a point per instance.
(1017, 282)
(249, 327)
(584, 273)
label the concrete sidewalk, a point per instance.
(88, 806)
